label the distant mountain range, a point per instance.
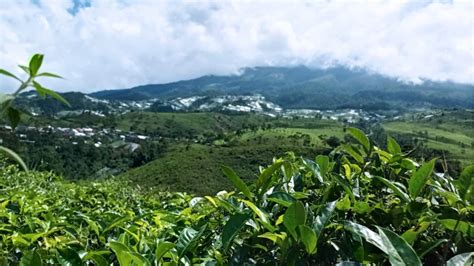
(287, 87)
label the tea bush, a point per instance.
(359, 204)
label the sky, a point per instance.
(111, 44)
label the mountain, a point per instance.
(285, 87)
(302, 87)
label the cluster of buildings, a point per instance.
(86, 134)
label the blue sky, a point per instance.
(106, 44)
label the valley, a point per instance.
(182, 149)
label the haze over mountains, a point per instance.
(288, 87)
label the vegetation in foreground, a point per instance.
(359, 204)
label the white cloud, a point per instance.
(123, 43)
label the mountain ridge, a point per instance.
(288, 87)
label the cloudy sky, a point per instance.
(105, 44)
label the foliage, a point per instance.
(360, 204)
(9, 112)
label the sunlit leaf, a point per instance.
(392, 146)
(6, 73)
(369, 235)
(264, 177)
(323, 162)
(360, 136)
(35, 64)
(308, 238)
(126, 256)
(419, 178)
(282, 198)
(404, 196)
(263, 216)
(238, 183)
(464, 259)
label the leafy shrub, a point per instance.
(359, 204)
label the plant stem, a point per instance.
(23, 86)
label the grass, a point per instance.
(195, 168)
(448, 133)
(313, 133)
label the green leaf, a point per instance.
(411, 234)
(267, 173)
(31, 258)
(354, 153)
(42, 91)
(126, 256)
(282, 198)
(6, 73)
(404, 196)
(323, 162)
(96, 257)
(344, 204)
(308, 237)
(238, 183)
(398, 250)
(464, 259)
(117, 222)
(35, 64)
(360, 136)
(460, 226)
(369, 235)
(392, 146)
(232, 228)
(429, 246)
(69, 257)
(419, 178)
(47, 74)
(321, 220)
(261, 214)
(274, 237)
(314, 167)
(408, 164)
(362, 207)
(14, 156)
(295, 215)
(465, 184)
(161, 249)
(188, 239)
(25, 68)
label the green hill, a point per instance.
(195, 168)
